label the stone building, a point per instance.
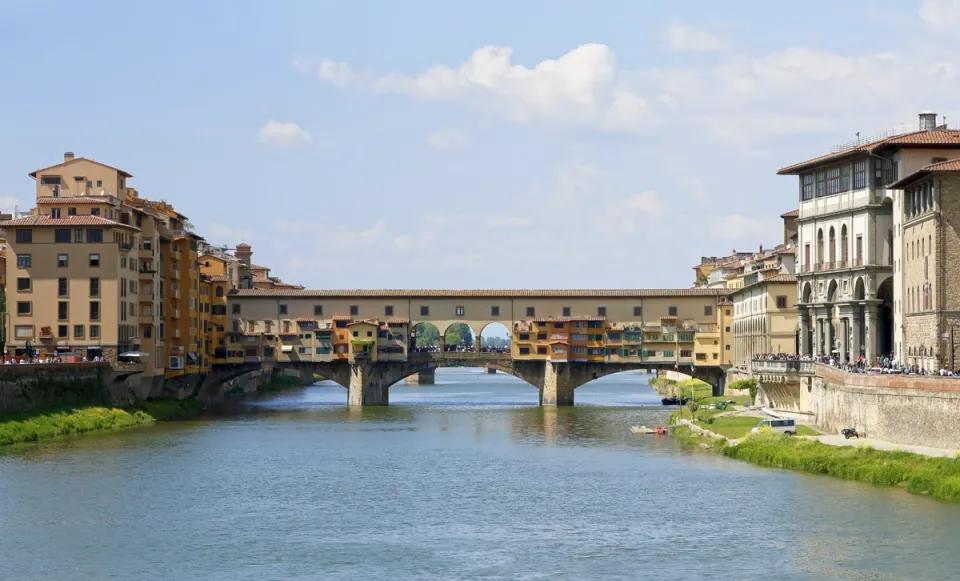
(764, 318)
(846, 249)
(929, 272)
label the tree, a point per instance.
(459, 334)
(427, 335)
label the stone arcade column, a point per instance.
(855, 336)
(844, 334)
(870, 317)
(367, 386)
(558, 385)
(804, 327)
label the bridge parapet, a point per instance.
(765, 366)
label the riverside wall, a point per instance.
(902, 409)
(28, 387)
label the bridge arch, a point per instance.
(458, 336)
(494, 335)
(425, 336)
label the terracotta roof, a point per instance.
(333, 318)
(566, 319)
(398, 320)
(258, 267)
(950, 165)
(76, 159)
(243, 245)
(791, 214)
(785, 277)
(218, 278)
(77, 200)
(481, 293)
(69, 221)
(935, 138)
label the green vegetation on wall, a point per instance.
(747, 384)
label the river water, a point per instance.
(468, 479)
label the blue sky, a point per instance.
(467, 145)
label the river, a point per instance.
(468, 479)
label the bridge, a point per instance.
(367, 340)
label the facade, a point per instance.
(928, 266)
(668, 326)
(765, 318)
(847, 239)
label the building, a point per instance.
(928, 266)
(848, 239)
(765, 318)
(658, 326)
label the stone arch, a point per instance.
(425, 336)
(885, 328)
(458, 336)
(807, 294)
(859, 289)
(832, 291)
(492, 330)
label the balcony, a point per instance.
(175, 314)
(176, 294)
(146, 297)
(175, 274)
(764, 366)
(126, 246)
(146, 318)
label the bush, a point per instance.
(692, 406)
(748, 384)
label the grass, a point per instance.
(737, 427)
(64, 421)
(691, 388)
(933, 476)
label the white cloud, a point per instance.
(446, 139)
(740, 227)
(578, 88)
(277, 134)
(681, 38)
(510, 222)
(8, 203)
(940, 15)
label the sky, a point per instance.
(437, 144)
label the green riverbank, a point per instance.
(932, 476)
(70, 420)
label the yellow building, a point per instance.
(765, 319)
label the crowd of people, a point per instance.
(884, 364)
(42, 358)
(459, 349)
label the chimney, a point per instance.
(928, 121)
(68, 156)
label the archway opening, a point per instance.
(495, 338)
(459, 337)
(625, 388)
(425, 338)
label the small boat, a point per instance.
(674, 401)
(659, 430)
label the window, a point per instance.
(283, 309)
(686, 353)
(94, 235)
(94, 261)
(821, 184)
(94, 311)
(354, 310)
(24, 307)
(63, 261)
(524, 351)
(23, 331)
(50, 180)
(61, 235)
(541, 336)
(524, 336)
(147, 331)
(23, 284)
(860, 175)
(99, 183)
(859, 250)
(460, 311)
(62, 331)
(94, 286)
(235, 309)
(369, 333)
(781, 302)
(63, 288)
(601, 311)
(672, 311)
(94, 211)
(24, 236)
(495, 311)
(356, 333)
(55, 213)
(94, 331)
(566, 311)
(708, 311)
(62, 310)
(388, 311)
(806, 187)
(23, 261)
(424, 311)
(531, 312)
(638, 311)
(541, 350)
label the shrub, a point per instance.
(747, 384)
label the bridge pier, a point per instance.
(425, 377)
(558, 385)
(367, 386)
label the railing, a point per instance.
(767, 366)
(457, 355)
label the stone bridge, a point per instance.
(368, 382)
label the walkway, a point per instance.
(838, 440)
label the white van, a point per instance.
(786, 426)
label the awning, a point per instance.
(286, 349)
(127, 354)
(192, 356)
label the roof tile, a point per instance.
(69, 221)
(938, 137)
(77, 200)
(479, 293)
